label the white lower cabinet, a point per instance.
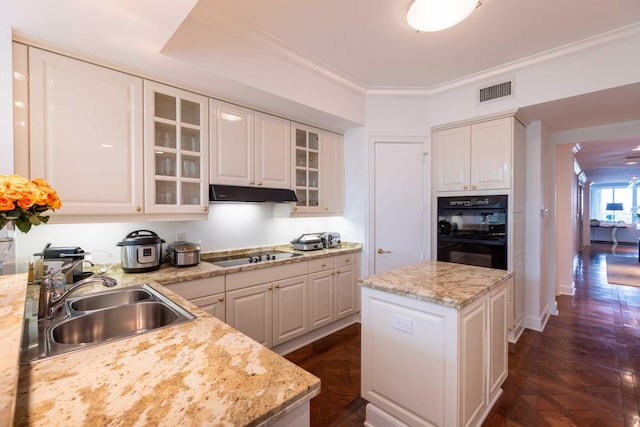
(208, 294)
(269, 304)
(270, 313)
(425, 364)
(276, 304)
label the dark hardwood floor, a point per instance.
(583, 370)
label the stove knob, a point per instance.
(250, 260)
(269, 257)
(259, 258)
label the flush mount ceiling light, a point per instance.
(436, 15)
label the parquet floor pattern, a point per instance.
(583, 370)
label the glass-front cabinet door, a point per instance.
(176, 150)
(306, 152)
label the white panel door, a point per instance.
(453, 158)
(86, 134)
(491, 154)
(290, 308)
(399, 216)
(232, 144)
(272, 151)
(250, 311)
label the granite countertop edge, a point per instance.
(457, 287)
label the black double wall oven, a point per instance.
(473, 230)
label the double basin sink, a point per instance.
(98, 318)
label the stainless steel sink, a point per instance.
(99, 318)
(108, 299)
(113, 323)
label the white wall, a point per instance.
(566, 192)
(6, 102)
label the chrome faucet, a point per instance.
(50, 300)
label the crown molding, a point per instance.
(613, 37)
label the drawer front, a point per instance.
(259, 276)
(198, 288)
(346, 259)
(321, 264)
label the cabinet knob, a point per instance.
(251, 182)
(295, 209)
(323, 265)
(473, 186)
(205, 209)
(277, 286)
(466, 187)
(138, 208)
(260, 183)
(221, 299)
(326, 209)
(269, 287)
(333, 274)
(380, 251)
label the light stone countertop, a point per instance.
(201, 372)
(443, 283)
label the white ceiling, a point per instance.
(365, 44)
(370, 43)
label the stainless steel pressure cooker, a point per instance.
(141, 251)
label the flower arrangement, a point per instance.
(23, 201)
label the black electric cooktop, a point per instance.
(251, 258)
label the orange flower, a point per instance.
(24, 202)
(6, 204)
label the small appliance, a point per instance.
(331, 239)
(141, 251)
(183, 254)
(62, 257)
(308, 242)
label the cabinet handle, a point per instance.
(269, 287)
(380, 251)
(277, 286)
(473, 186)
(221, 299)
(138, 208)
(466, 187)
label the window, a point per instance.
(607, 194)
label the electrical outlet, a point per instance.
(180, 236)
(402, 323)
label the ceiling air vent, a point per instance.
(496, 91)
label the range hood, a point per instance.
(232, 193)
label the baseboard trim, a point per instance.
(308, 338)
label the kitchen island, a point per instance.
(201, 372)
(434, 344)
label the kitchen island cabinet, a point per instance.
(434, 344)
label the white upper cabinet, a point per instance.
(176, 150)
(475, 157)
(86, 135)
(232, 144)
(332, 173)
(272, 151)
(249, 148)
(306, 172)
